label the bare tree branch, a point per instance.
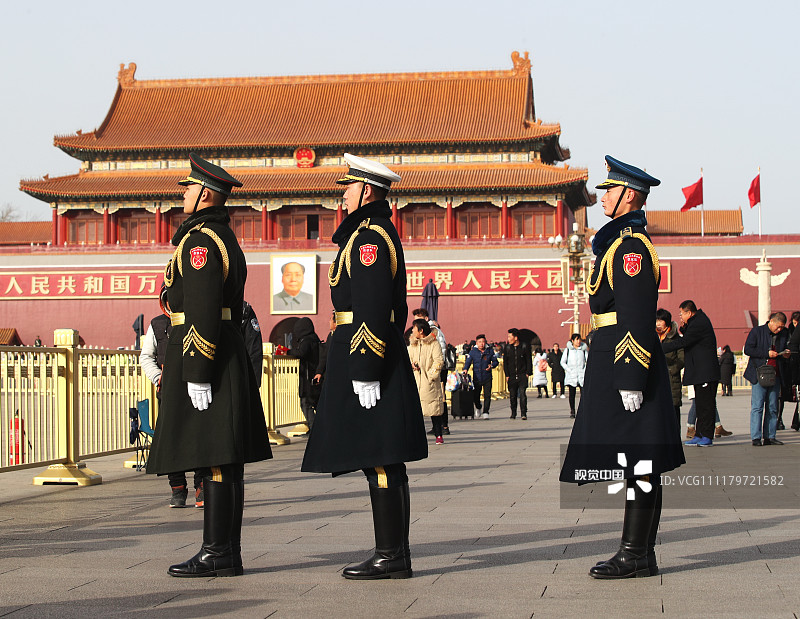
(8, 212)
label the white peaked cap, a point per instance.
(364, 170)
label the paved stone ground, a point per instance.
(489, 538)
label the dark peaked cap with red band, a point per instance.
(209, 175)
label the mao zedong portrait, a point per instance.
(292, 298)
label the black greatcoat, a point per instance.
(627, 355)
(368, 277)
(206, 273)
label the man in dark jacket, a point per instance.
(369, 415)
(766, 344)
(517, 366)
(482, 361)
(701, 368)
(305, 346)
(251, 331)
(211, 417)
(667, 331)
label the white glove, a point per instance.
(200, 394)
(369, 392)
(631, 400)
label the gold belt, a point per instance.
(603, 320)
(179, 318)
(346, 318)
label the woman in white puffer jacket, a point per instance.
(574, 363)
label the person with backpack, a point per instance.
(540, 373)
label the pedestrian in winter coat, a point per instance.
(556, 371)
(427, 362)
(702, 367)
(305, 346)
(574, 363)
(540, 372)
(727, 365)
(667, 330)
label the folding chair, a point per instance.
(141, 432)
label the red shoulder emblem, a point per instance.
(199, 257)
(368, 254)
(633, 264)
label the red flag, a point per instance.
(754, 193)
(694, 195)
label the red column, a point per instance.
(395, 217)
(105, 226)
(504, 218)
(114, 228)
(165, 236)
(270, 225)
(264, 223)
(56, 224)
(339, 214)
(559, 227)
(159, 237)
(62, 229)
(449, 227)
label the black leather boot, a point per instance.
(651, 539)
(216, 556)
(391, 518)
(632, 560)
(236, 525)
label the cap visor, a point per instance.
(607, 184)
(346, 181)
(186, 181)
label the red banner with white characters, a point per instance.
(500, 278)
(80, 284)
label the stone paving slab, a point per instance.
(489, 538)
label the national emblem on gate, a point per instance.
(198, 255)
(368, 254)
(633, 264)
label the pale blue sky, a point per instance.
(672, 87)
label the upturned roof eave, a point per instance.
(67, 145)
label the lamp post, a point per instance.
(573, 270)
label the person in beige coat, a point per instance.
(427, 362)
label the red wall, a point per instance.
(713, 284)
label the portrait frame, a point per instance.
(278, 298)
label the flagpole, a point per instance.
(759, 202)
(702, 210)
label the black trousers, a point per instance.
(308, 406)
(179, 479)
(443, 377)
(572, 391)
(705, 398)
(487, 394)
(558, 382)
(517, 389)
(438, 424)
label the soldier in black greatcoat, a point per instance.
(211, 416)
(627, 403)
(369, 415)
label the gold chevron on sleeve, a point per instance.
(364, 336)
(206, 348)
(630, 345)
